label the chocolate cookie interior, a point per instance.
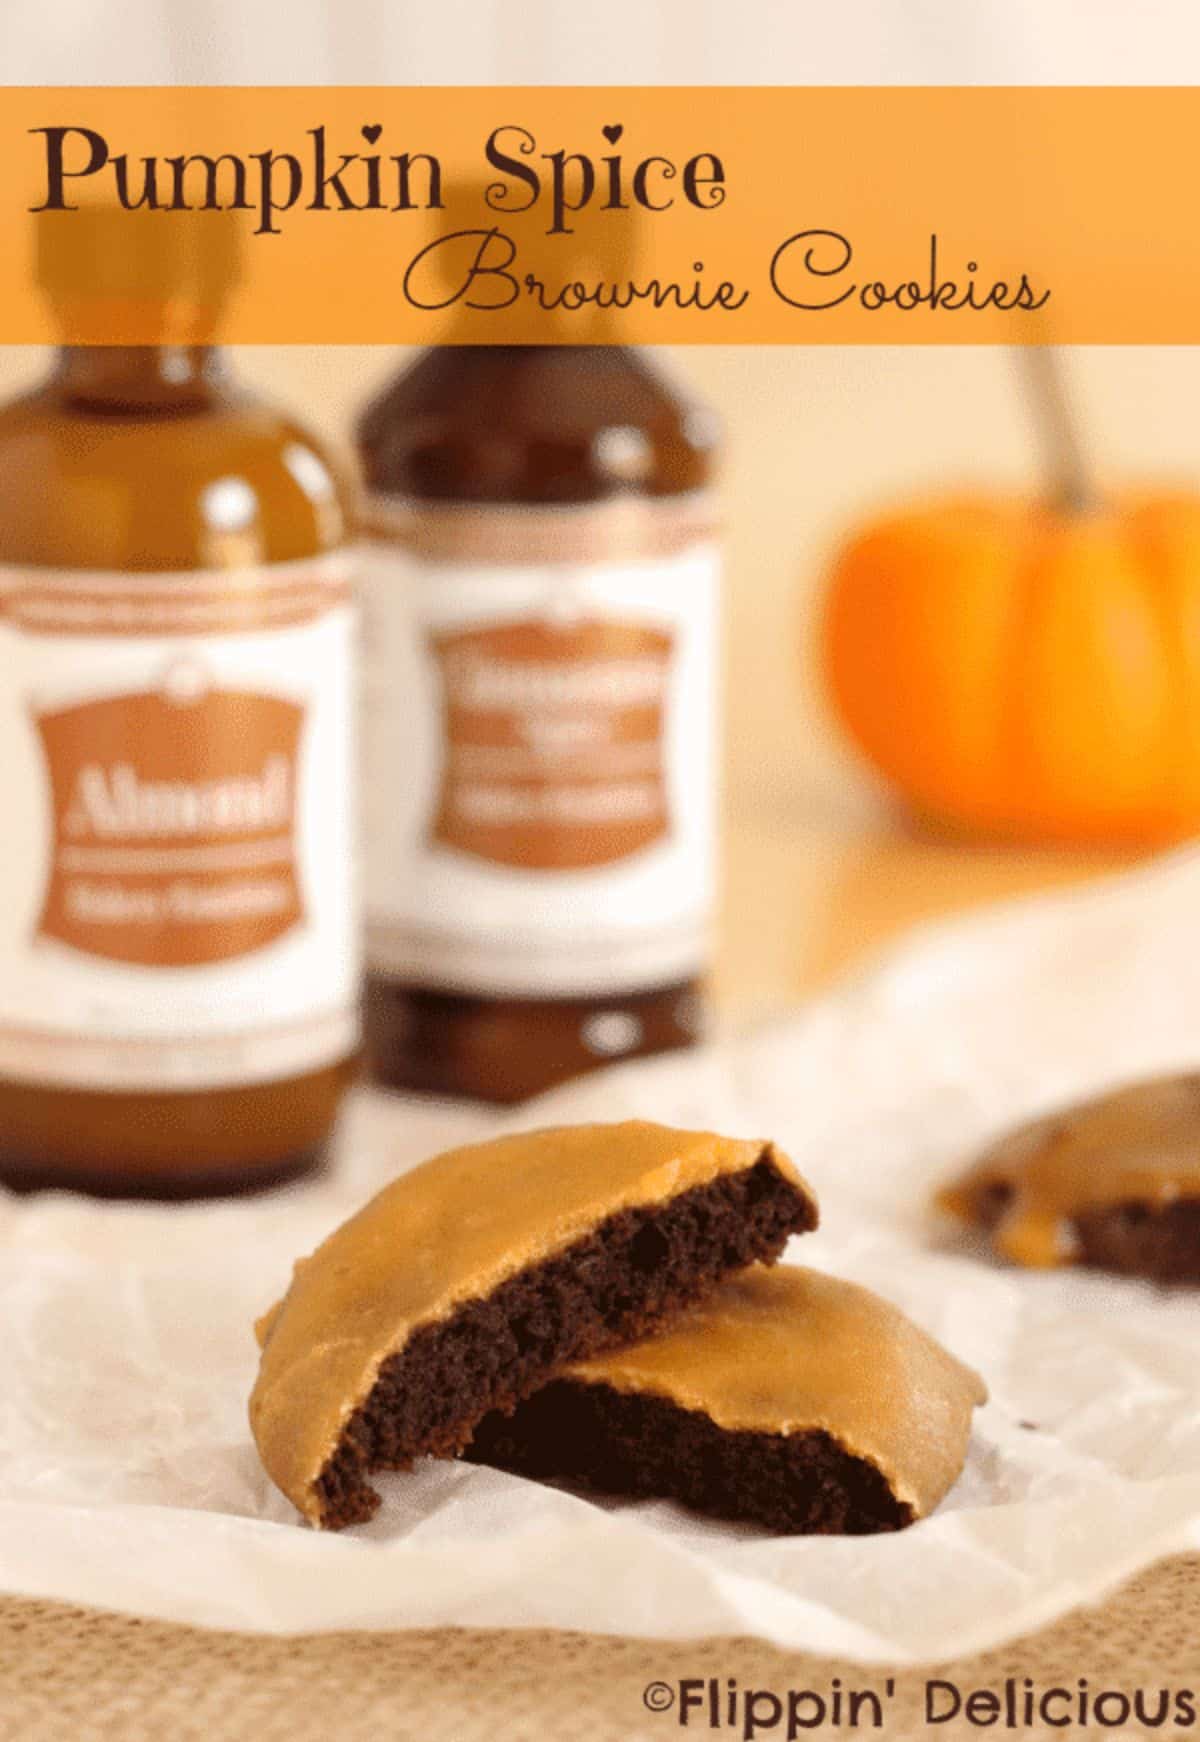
(466, 1283)
(787, 1399)
(1113, 1182)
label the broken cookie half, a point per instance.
(787, 1399)
(469, 1282)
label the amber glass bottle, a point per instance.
(177, 938)
(539, 716)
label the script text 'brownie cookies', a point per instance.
(1113, 1183)
(787, 1399)
(466, 1283)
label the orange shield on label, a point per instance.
(174, 818)
(553, 742)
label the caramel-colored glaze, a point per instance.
(792, 1351)
(1137, 1145)
(450, 1231)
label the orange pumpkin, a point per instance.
(1023, 671)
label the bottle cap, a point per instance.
(136, 277)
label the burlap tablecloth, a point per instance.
(79, 1676)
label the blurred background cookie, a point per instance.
(1113, 1182)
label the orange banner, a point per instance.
(592, 215)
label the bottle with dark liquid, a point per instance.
(540, 658)
(178, 940)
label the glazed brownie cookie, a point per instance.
(466, 1283)
(1113, 1183)
(787, 1399)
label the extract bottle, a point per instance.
(540, 697)
(178, 953)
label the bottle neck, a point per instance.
(140, 377)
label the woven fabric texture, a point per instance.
(73, 1675)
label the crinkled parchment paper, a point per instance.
(127, 1474)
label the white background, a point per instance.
(467, 42)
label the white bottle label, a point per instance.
(176, 900)
(539, 723)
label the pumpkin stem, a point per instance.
(1072, 484)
